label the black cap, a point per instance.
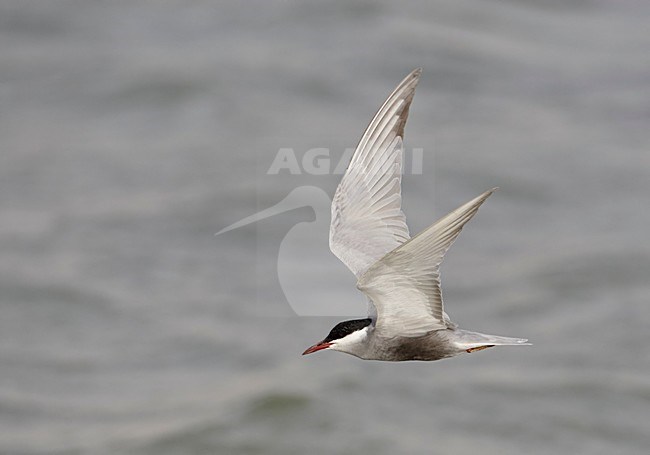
(345, 328)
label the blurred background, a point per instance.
(132, 131)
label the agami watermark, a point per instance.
(317, 161)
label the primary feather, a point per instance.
(367, 218)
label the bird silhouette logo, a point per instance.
(313, 281)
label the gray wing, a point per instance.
(367, 218)
(405, 284)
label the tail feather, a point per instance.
(471, 340)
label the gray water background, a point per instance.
(132, 131)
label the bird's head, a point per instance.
(346, 336)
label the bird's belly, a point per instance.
(432, 346)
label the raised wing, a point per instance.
(405, 284)
(367, 218)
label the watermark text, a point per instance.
(318, 161)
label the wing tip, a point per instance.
(413, 78)
(416, 72)
(487, 194)
(411, 81)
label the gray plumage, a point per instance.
(399, 275)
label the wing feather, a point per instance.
(404, 285)
(367, 219)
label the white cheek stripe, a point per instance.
(353, 339)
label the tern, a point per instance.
(400, 275)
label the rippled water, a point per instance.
(130, 132)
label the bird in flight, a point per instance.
(400, 275)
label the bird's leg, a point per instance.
(480, 348)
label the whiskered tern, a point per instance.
(400, 275)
